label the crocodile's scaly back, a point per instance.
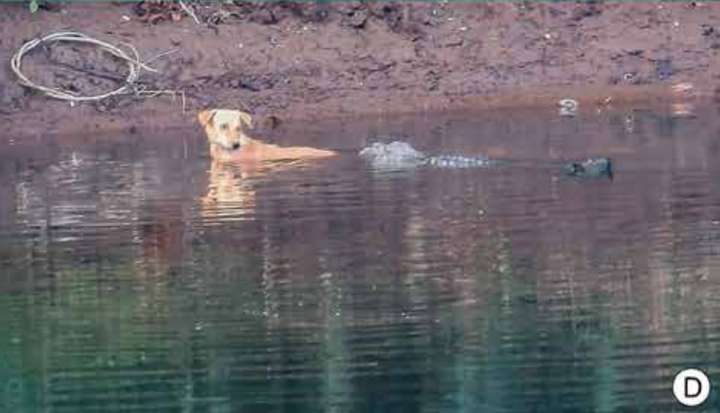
(454, 161)
(400, 155)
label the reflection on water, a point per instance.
(139, 277)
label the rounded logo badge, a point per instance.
(691, 387)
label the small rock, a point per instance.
(589, 10)
(263, 16)
(256, 84)
(568, 107)
(452, 41)
(273, 122)
(356, 19)
(432, 79)
(664, 68)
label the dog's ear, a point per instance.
(206, 116)
(246, 119)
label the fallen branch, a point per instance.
(189, 11)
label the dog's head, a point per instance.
(224, 127)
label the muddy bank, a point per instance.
(327, 60)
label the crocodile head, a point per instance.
(591, 168)
(394, 155)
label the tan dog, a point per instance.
(238, 160)
(228, 141)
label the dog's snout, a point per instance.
(235, 145)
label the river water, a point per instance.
(137, 276)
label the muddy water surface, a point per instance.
(136, 276)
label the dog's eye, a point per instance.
(224, 126)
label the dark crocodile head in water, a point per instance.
(591, 168)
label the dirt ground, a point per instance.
(317, 60)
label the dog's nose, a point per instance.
(235, 145)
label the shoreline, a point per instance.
(168, 115)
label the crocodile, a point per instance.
(401, 155)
